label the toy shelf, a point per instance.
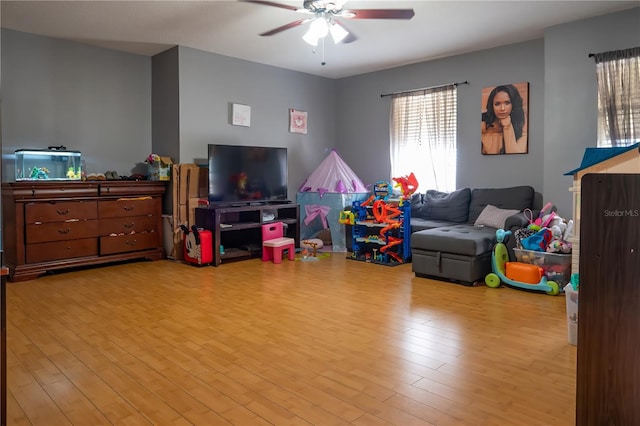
(385, 240)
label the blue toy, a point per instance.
(499, 259)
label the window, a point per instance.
(423, 128)
(618, 76)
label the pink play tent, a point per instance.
(325, 193)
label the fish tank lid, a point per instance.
(50, 151)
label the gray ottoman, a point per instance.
(458, 252)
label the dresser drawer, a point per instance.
(126, 207)
(60, 250)
(130, 242)
(124, 188)
(60, 231)
(127, 225)
(49, 190)
(60, 211)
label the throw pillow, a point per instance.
(449, 206)
(517, 197)
(494, 217)
(416, 204)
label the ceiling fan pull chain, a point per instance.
(323, 63)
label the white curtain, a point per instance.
(423, 128)
(618, 75)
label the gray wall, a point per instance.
(90, 99)
(363, 123)
(562, 106)
(210, 83)
(571, 102)
(165, 117)
(100, 102)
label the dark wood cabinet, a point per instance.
(608, 365)
(237, 230)
(54, 225)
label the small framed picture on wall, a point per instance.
(505, 119)
(297, 121)
(241, 115)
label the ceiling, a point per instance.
(231, 28)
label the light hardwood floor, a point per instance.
(331, 342)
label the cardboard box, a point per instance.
(191, 206)
(160, 169)
(188, 181)
(193, 181)
(178, 245)
(203, 185)
(183, 216)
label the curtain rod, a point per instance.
(423, 88)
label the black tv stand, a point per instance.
(237, 230)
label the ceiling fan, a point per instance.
(323, 16)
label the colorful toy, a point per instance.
(523, 272)
(71, 174)
(382, 190)
(39, 173)
(197, 245)
(379, 230)
(346, 218)
(499, 261)
(407, 184)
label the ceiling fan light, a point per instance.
(337, 33)
(310, 38)
(319, 27)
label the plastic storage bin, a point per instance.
(48, 164)
(572, 314)
(556, 267)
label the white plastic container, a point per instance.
(571, 296)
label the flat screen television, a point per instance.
(247, 174)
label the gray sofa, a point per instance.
(446, 242)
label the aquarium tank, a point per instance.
(48, 164)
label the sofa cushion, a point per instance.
(416, 205)
(516, 198)
(494, 217)
(447, 206)
(463, 239)
(419, 224)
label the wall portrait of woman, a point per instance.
(505, 119)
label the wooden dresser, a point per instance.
(54, 225)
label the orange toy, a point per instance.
(408, 185)
(524, 272)
(392, 241)
(384, 212)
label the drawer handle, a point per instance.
(131, 242)
(128, 208)
(62, 212)
(64, 231)
(129, 225)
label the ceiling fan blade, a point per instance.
(285, 27)
(378, 14)
(274, 4)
